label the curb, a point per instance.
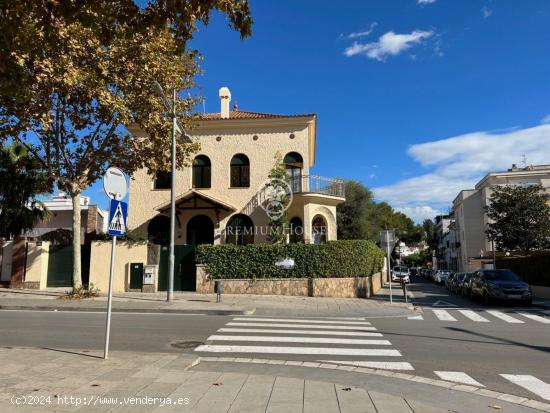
(130, 310)
(479, 391)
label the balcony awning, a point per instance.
(194, 199)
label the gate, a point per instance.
(185, 272)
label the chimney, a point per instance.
(225, 98)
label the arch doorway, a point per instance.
(319, 229)
(200, 230)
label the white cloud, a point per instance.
(459, 162)
(364, 33)
(545, 120)
(425, 1)
(389, 44)
(420, 213)
(486, 12)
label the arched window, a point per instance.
(163, 180)
(158, 230)
(319, 229)
(294, 164)
(240, 171)
(239, 230)
(201, 172)
(296, 230)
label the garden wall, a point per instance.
(342, 287)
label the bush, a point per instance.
(84, 291)
(333, 259)
(533, 269)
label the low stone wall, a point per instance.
(377, 282)
(542, 292)
(349, 287)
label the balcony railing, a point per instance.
(317, 185)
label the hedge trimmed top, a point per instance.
(355, 258)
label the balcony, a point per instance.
(313, 184)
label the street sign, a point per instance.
(387, 238)
(114, 183)
(118, 218)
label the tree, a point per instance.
(361, 217)
(429, 230)
(353, 214)
(22, 179)
(519, 218)
(76, 75)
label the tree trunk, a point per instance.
(77, 270)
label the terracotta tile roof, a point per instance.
(249, 115)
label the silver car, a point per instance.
(400, 272)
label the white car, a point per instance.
(399, 273)
(441, 275)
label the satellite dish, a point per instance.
(115, 184)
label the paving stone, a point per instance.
(389, 403)
(287, 396)
(254, 395)
(354, 400)
(320, 397)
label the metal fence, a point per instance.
(318, 185)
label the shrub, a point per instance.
(354, 258)
(88, 291)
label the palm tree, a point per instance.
(22, 179)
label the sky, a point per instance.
(416, 99)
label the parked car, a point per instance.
(413, 271)
(449, 281)
(441, 275)
(502, 284)
(466, 284)
(400, 272)
(455, 286)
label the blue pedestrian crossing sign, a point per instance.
(118, 218)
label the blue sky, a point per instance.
(417, 99)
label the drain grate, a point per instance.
(186, 344)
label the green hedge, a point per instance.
(332, 259)
(534, 269)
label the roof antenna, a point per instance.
(524, 160)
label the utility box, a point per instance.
(136, 276)
(149, 275)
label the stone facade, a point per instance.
(342, 287)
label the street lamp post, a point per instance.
(171, 108)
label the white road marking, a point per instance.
(530, 383)
(536, 318)
(318, 340)
(416, 317)
(443, 315)
(458, 377)
(288, 331)
(382, 365)
(440, 303)
(359, 328)
(472, 315)
(298, 350)
(505, 317)
(301, 320)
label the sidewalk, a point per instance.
(62, 381)
(11, 299)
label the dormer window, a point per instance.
(202, 172)
(240, 171)
(163, 180)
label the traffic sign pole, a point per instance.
(389, 269)
(110, 300)
(116, 187)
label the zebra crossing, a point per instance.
(312, 338)
(481, 316)
(349, 343)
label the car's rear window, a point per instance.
(500, 275)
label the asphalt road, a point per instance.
(464, 343)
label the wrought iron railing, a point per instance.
(317, 185)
